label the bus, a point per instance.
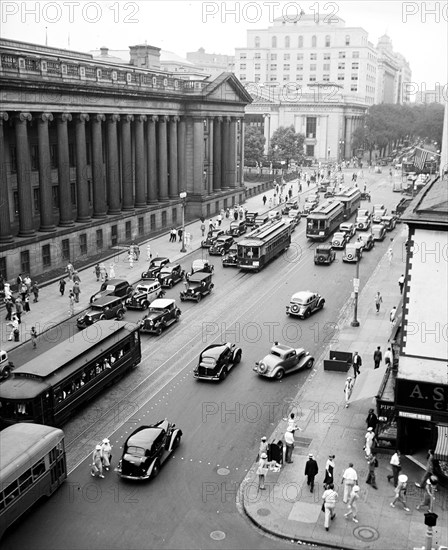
(350, 197)
(32, 466)
(324, 220)
(48, 389)
(263, 244)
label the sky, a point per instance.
(418, 30)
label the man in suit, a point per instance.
(357, 363)
(311, 471)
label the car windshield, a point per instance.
(322, 250)
(143, 289)
(157, 263)
(338, 235)
(156, 309)
(166, 271)
(109, 287)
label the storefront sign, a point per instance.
(415, 416)
(422, 395)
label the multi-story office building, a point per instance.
(393, 83)
(211, 63)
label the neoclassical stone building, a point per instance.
(95, 154)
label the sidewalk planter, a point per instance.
(340, 361)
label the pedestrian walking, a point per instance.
(348, 388)
(349, 479)
(76, 278)
(106, 451)
(70, 269)
(289, 442)
(219, 219)
(357, 364)
(329, 471)
(390, 255)
(179, 233)
(392, 314)
(97, 462)
(26, 304)
(352, 505)
(401, 283)
(211, 225)
(62, 284)
(263, 447)
(378, 301)
(372, 420)
(103, 272)
(329, 497)
(370, 439)
(388, 357)
(377, 357)
(35, 290)
(19, 280)
(97, 271)
(372, 463)
(9, 309)
(264, 200)
(111, 271)
(400, 492)
(311, 471)
(395, 462)
(148, 252)
(19, 310)
(292, 423)
(15, 332)
(203, 229)
(429, 495)
(23, 291)
(33, 335)
(429, 469)
(71, 303)
(76, 291)
(262, 470)
(173, 235)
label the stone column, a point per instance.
(45, 187)
(232, 152)
(65, 195)
(99, 188)
(5, 218)
(225, 155)
(140, 160)
(240, 158)
(126, 163)
(113, 181)
(181, 165)
(198, 154)
(26, 227)
(267, 132)
(152, 189)
(217, 154)
(163, 158)
(210, 156)
(173, 181)
(81, 169)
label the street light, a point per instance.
(341, 149)
(183, 198)
(355, 322)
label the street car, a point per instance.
(147, 448)
(379, 232)
(363, 219)
(221, 245)
(389, 222)
(162, 313)
(339, 240)
(171, 275)
(324, 254)
(113, 287)
(304, 303)
(154, 268)
(201, 266)
(211, 237)
(231, 258)
(283, 360)
(237, 228)
(348, 228)
(366, 239)
(5, 365)
(144, 294)
(107, 307)
(198, 286)
(216, 361)
(353, 252)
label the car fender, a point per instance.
(176, 433)
(151, 467)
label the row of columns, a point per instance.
(135, 182)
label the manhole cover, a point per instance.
(366, 534)
(263, 512)
(223, 471)
(217, 535)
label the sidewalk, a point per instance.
(52, 308)
(287, 508)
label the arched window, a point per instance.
(287, 41)
(274, 41)
(313, 41)
(257, 41)
(327, 41)
(300, 44)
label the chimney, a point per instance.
(145, 56)
(104, 51)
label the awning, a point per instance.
(367, 384)
(441, 452)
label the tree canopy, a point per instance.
(254, 142)
(286, 145)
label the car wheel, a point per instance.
(223, 374)
(120, 315)
(145, 304)
(156, 469)
(237, 358)
(6, 372)
(159, 331)
(279, 374)
(102, 317)
(310, 364)
(307, 313)
(199, 298)
(170, 284)
(321, 305)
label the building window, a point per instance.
(242, 56)
(353, 88)
(273, 57)
(313, 56)
(114, 235)
(286, 67)
(287, 42)
(152, 222)
(257, 66)
(300, 67)
(73, 192)
(83, 244)
(243, 66)
(355, 66)
(286, 57)
(3, 268)
(299, 78)
(286, 78)
(273, 79)
(341, 55)
(310, 150)
(341, 76)
(164, 219)
(327, 56)
(242, 77)
(300, 57)
(300, 42)
(257, 41)
(326, 78)
(347, 40)
(326, 66)
(341, 65)
(354, 76)
(273, 66)
(141, 226)
(327, 41)
(257, 55)
(25, 261)
(313, 78)
(34, 157)
(274, 42)
(36, 199)
(174, 216)
(46, 255)
(65, 244)
(128, 230)
(313, 41)
(55, 195)
(257, 78)
(313, 67)
(99, 239)
(54, 155)
(311, 123)
(355, 55)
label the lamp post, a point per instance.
(341, 149)
(355, 322)
(183, 197)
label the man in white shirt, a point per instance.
(396, 467)
(388, 357)
(349, 479)
(289, 441)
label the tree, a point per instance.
(254, 142)
(286, 145)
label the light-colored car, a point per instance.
(304, 303)
(379, 231)
(366, 238)
(348, 228)
(353, 252)
(389, 222)
(283, 360)
(144, 294)
(5, 365)
(379, 210)
(339, 240)
(363, 219)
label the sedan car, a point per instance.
(339, 240)
(283, 360)
(147, 448)
(211, 237)
(348, 228)
(221, 245)
(389, 222)
(144, 294)
(154, 268)
(113, 287)
(304, 303)
(171, 275)
(379, 231)
(105, 308)
(162, 313)
(366, 239)
(231, 258)
(324, 254)
(216, 361)
(200, 266)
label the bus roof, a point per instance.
(266, 230)
(347, 193)
(22, 445)
(325, 208)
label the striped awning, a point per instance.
(441, 452)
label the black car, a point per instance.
(162, 313)
(291, 204)
(250, 218)
(211, 237)
(216, 361)
(147, 448)
(200, 266)
(324, 254)
(113, 287)
(231, 258)
(221, 245)
(154, 268)
(171, 275)
(108, 307)
(237, 228)
(365, 196)
(199, 285)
